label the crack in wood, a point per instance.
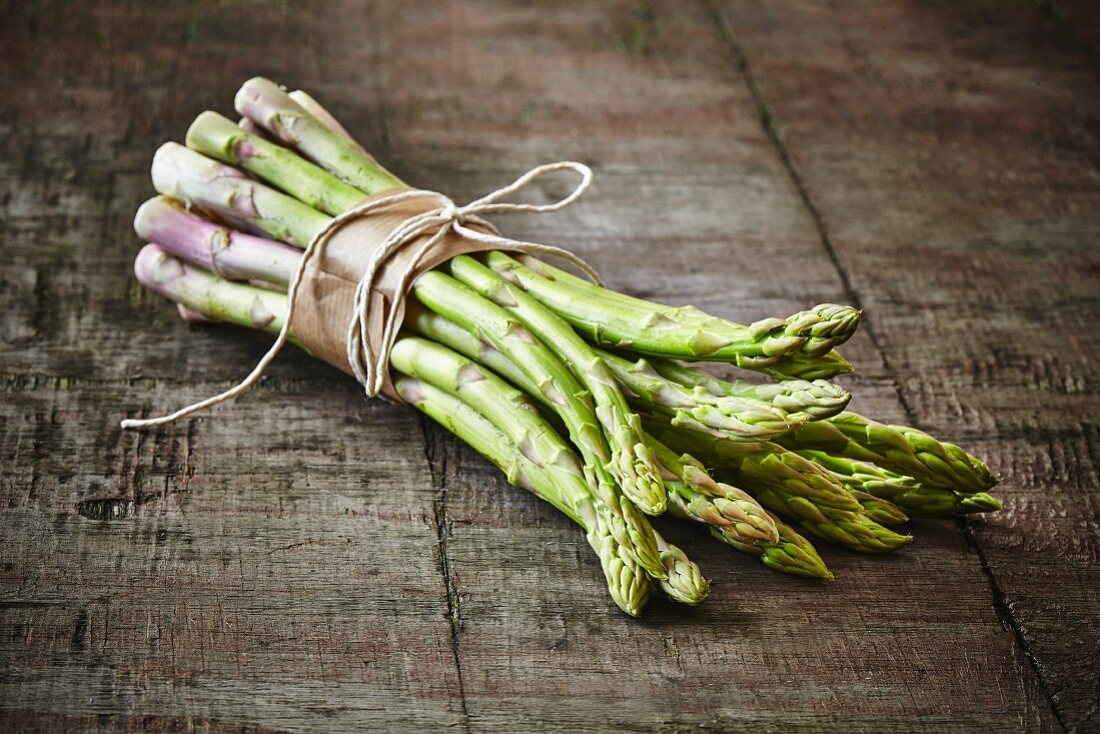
(1006, 617)
(437, 466)
(771, 126)
(439, 473)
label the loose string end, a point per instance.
(230, 394)
(368, 364)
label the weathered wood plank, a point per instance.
(956, 179)
(279, 569)
(307, 560)
(278, 575)
(752, 654)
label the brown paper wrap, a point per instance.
(325, 301)
(402, 233)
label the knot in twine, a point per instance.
(368, 354)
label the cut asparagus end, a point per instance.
(231, 254)
(327, 144)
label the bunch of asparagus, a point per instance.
(581, 395)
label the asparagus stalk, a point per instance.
(510, 410)
(904, 492)
(313, 107)
(856, 531)
(220, 138)
(615, 320)
(189, 177)
(802, 399)
(225, 251)
(897, 448)
(203, 293)
(821, 328)
(314, 132)
(626, 582)
(694, 495)
(633, 461)
(792, 553)
(541, 462)
(754, 420)
(785, 482)
(512, 413)
(811, 333)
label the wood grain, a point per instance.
(965, 226)
(307, 560)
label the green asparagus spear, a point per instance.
(792, 553)
(541, 462)
(856, 531)
(220, 138)
(286, 116)
(754, 420)
(812, 334)
(633, 462)
(195, 180)
(204, 293)
(614, 320)
(694, 495)
(786, 483)
(512, 413)
(802, 399)
(904, 492)
(217, 248)
(626, 582)
(897, 448)
(683, 581)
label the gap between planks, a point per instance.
(1001, 606)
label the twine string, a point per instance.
(369, 358)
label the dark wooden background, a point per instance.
(308, 560)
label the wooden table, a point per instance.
(310, 560)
